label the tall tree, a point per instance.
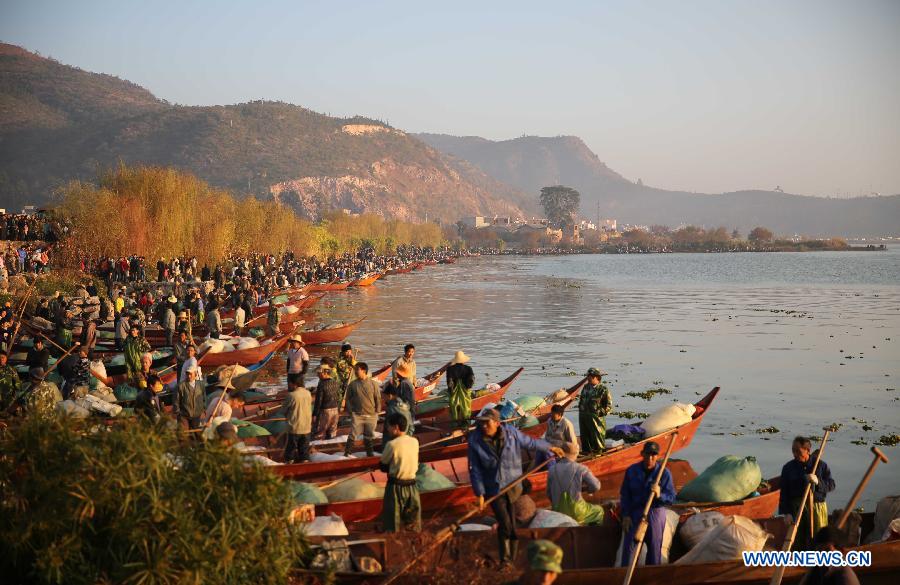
(560, 204)
(760, 234)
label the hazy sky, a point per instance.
(704, 96)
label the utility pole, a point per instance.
(598, 214)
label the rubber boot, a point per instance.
(348, 449)
(370, 448)
(504, 550)
(513, 551)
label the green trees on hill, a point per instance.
(560, 204)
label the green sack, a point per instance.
(277, 427)
(730, 478)
(307, 493)
(256, 332)
(582, 512)
(432, 405)
(251, 396)
(529, 403)
(124, 392)
(528, 421)
(354, 489)
(280, 299)
(427, 479)
(247, 430)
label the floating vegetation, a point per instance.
(859, 441)
(834, 427)
(630, 414)
(891, 440)
(767, 431)
(648, 394)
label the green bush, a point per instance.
(132, 505)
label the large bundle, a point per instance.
(887, 509)
(124, 392)
(672, 518)
(529, 403)
(307, 493)
(246, 343)
(288, 310)
(551, 519)
(668, 418)
(71, 408)
(353, 489)
(98, 405)
(730, 478)
(428, 480)
(726, 542)
(695, 528)
(331, 525)
(214, 346)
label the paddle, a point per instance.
(21, 311)
(879, 458)
(778, 575)
(641, 530)
(44, 377)
(325, 486)
(448, 532)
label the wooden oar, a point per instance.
(447, 533)
(21, 311)
(641, 529)
(343, 479)
(879, 458)
(778, 575)
(221, 397)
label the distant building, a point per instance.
(608, 225)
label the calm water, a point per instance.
(796, 341)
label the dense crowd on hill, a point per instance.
(19, 227)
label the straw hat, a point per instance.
(460, 358)
(182, 315)
(172, 299)
(296, 337)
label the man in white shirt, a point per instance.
(560, 430)
(189, 364)
(297, 360)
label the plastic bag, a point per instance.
(727, 541)
(730, 478)
(668, 418)
(696, 526)
(579, 510)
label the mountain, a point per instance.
(59, 123)
(531, 162)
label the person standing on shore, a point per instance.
(593, 406)
(214, 320)
(795, 475)
(495, 461)
(636, 488)
(168, 320)
(400, 460)
(407, 359)
(298, 411)
(363, 402)
(460, 379)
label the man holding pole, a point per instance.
(637, 487)
(495, 461)
(795, 475)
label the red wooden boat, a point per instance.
(367, 280)
(422, 392)
(447, 450)
(440, 501)
(244, 357)
(332, 286)
(320, 336)
(762, 506)
(437, 409)
(404, 270)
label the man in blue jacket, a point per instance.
(495, 461)
(636, 489)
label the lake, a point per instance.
(796, 341)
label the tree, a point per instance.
(735, 234)
(560, 204)
(760, 234)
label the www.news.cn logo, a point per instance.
(807, 558)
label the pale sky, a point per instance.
(705, 96)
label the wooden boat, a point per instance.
(437, 409)
(422, 392)
(589, 553)
(244, 357)
(332, 286)
(368, 280)
(444, 450)
(247, 379)
(320, 336)
(438, 501)
(757, 507)
(403, 270)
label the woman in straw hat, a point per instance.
(460, 379)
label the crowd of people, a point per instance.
(22, 227)
(23, 258)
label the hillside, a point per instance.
(532, 162)
(60, 123)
